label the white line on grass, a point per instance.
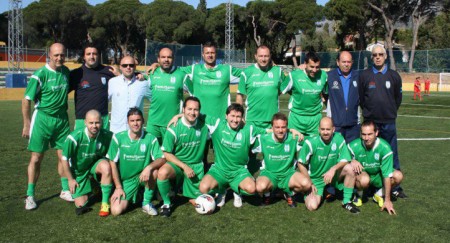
(425, 105)
(422, 139)
(427, 117)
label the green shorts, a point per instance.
(320, 184)
(279, 181)
(131, 188)
(46, 129)
(157, 131)
(376, 180)
(261, 124)
(231, 178)
(79, 123)
(84, 181)
(190, 185)
(307, 125)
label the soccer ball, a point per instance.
(205, 204)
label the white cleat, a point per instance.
(66, 196)
(150, 209)
(220, 200)
(30, 204)
(237, 200)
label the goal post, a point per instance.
(444, 82)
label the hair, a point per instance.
(338, 58)
(235, 107)
(263, 47)
(209, 44)
(159, 51)
(379, 46)
(311, 55)
(192, 98)
(135, 111)
(369, 123)
(89, 45)
(279, 116)
(93, 112)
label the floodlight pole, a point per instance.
(229, 33)
(15, 37)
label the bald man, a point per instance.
(327, 159)
(380, 95)
(125, 91)
(47, 88)
(84, 156)
(343, 97)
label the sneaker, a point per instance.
(330, 194)
(65, 195)
(290, 201)
(30, 204)
(357, 200)
(237, 200)
(378, 199)
(351, 207)
(220, 200)
(165, 210)
(104, 210)
(265, 200)
(149, 209)
(82, 210)
(399, 194)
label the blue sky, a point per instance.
(211, 3)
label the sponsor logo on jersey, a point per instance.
(59, 87)
(287, 148)
(99, 145)
(103, 80)
(172, 80)
(333, 147)
(372, 85)
(335, 85)
(319, 82)
(270, 74)
(198, 133)
(143, 148)
(376, 156)
(239, 136)
(355, 84)
(84, 84)
(388, 84)
(219, 74)
(52, 79)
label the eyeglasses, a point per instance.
(377, 54)
(127, 65)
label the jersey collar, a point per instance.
(142, 135)
(87, 134)
(186, 123)
(275, 139)
(377, 142)
(49, 68)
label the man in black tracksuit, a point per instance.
(344, 98)
(380, 94)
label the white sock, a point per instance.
(380, 192)
(267, 194)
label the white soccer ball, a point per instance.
(205, 204)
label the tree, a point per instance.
(202, 6)
(116, 23)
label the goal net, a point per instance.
(444, 82)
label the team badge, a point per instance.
(143, 148)
(197, 133)
(388, 84)
(172, 80)
(99, 145)
(287, 148)
(333, 147)
(376, 156)
(239, 136)
(319, 82)
(355, 84)
(270, 74)
(218, 74)
(103, 80)
(335, 85)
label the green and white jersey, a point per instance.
(132, 155)
(212, 86)
(321, 157)
(231, 147)
(82, 152)
(48, 89)
(378, 159)
(305, 98)
(279, 157)
(186, 142)
(166, 95)
(262, 91)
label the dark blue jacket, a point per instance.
(341, 114)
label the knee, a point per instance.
(305, 184)
(115, 211)
(364, 180)
(35, 159)
(204, 187)
(155, 174)
(250, 188)
(105, 168)
(311, 205)
(261, 187)
(398, 177)
(163, 173)
(348, 170)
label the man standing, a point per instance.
(372, 163)
(125, 92)
(167, 84)
(427, 86)
(90, 82)
(417, 87)
(47, 88)
(279, 150)
(260, 85)
(84, 156)
(307, 88)
(183, 147)
(328, 158)
(343, 97)
(135, 157)
(380, 95)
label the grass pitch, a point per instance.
(421, 217)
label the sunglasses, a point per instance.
(127, 65)
(377, 54)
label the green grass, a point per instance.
(422, 217)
